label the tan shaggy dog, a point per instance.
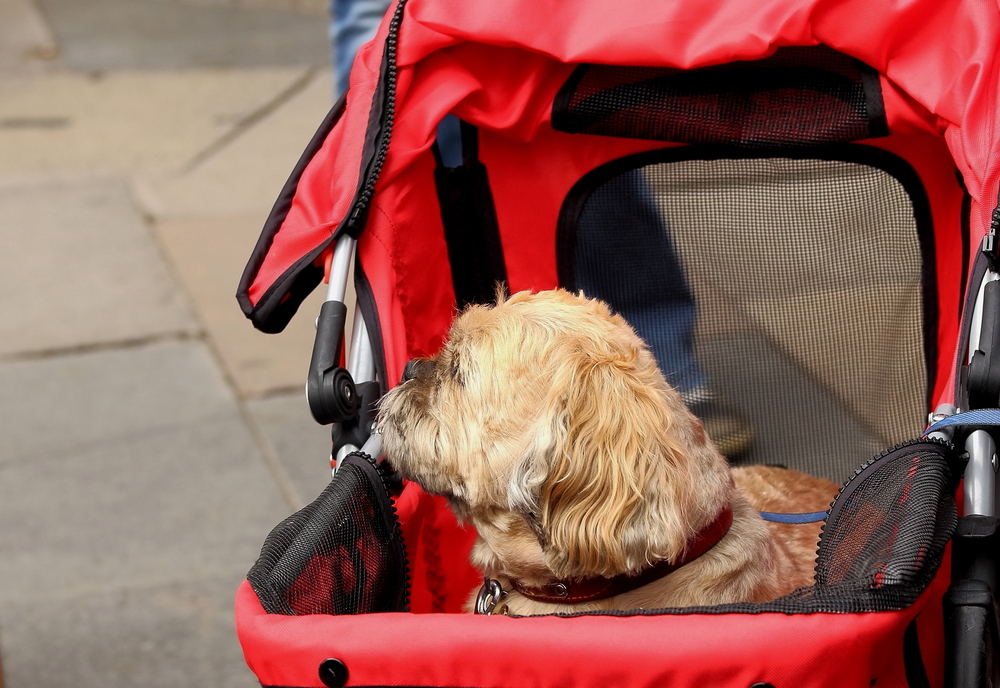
(547, 425)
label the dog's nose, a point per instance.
(411, 369)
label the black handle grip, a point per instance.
(330, 389)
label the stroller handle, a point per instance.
(343, 254)
(343, 397)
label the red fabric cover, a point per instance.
(438, 552)
(499, 64)
(457, 649)
(490, 61)
(409, 270)
(735, 650)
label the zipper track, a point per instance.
(861, 472)
(388, 117)
(387, 475)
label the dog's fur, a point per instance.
(547, 425)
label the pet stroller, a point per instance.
(809, 183)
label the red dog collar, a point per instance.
(589, 589)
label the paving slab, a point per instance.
(145, 458)
(79, 268)
(170, 635)
(132, 503)
(208, 218)
(299, 443)
(26, 42)
(249, 171)
(52, 404)
(101, 35)
(127, 121)
(209, 254)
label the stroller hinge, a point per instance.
(330, 389)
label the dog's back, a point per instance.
(780, 490)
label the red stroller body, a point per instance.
(825, 172)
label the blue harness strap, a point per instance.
(969, 419)
(980, 418)
(811, 517)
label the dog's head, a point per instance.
(546, 423)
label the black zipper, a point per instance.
(392, 484)
(863, 472)
(361, 203)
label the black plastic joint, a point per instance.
(976, 526)
(356, 430)
(969, 593)
(330, 389)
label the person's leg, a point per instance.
(353, 24)
(636, 270)
(625, 256)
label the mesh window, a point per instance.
(341, 554)
(793, 293)
(799, 96)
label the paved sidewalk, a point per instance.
(151, 437)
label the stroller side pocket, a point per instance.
(341, 554)
(891, 522)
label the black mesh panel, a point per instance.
(864, 542)
(341, 554)
(799, 96)
(794, 291)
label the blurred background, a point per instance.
(149, 437)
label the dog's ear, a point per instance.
(611, 475)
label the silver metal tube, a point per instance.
(361, 362)
(344, 451)
(373, 448)
(361, 365)
(343, 254)
(340, 268)
(980, 475)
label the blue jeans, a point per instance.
(624, 256)
(353, 24)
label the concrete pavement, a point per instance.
(150, 437)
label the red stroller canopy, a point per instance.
(491, 63)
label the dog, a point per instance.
(546, 424)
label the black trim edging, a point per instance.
(281, 300)
(279, 211)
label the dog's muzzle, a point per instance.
(416, 367)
